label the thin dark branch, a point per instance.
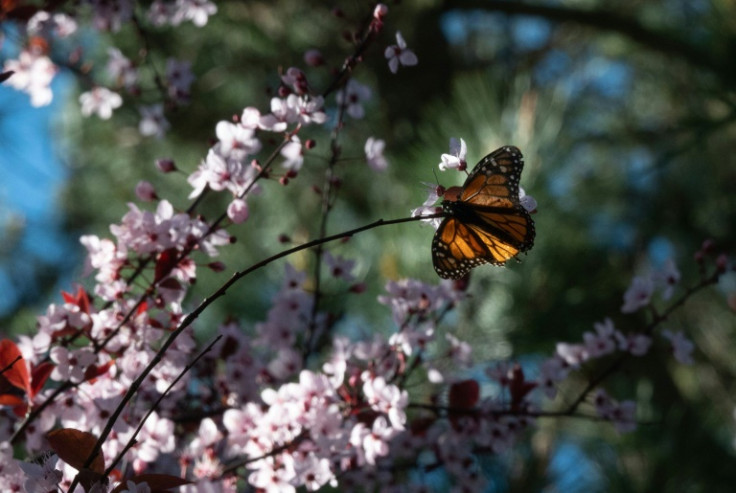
(656, 320)
(238, 463)
(132, 441)
(191, 317)
(11, 364)
(328, 193)
(36, 412)
(148, 292)
(368, 35)
(475, 411)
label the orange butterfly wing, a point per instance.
(486, 223)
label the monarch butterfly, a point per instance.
(485, 221)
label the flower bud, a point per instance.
(166, 165)
(314, 58)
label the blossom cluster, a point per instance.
(33, 70)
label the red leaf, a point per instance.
(519, 387)
(68, 298)
(11, 400)
(80, 299)
(94, 371)
(464, 394)
(157, 482)
(67, 330)
(13, 366)
(39, 375)
(171, 283)
(74, 446)
(164, 263)
(10, 395)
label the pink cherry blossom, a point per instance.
(314, 58)
(636, 344)
(572, 354)
(33, 73)
(682, 347)
(307, 109)
(144, 190)
(456, 159)
(109, 16)
(387, 399)
(179, 78)
(236, 141)
(282, 114)
(340, 267)
(622, 415)
(237, 211)
(250, 118)
(528, 202)
(601, 342)
(412, 339)
(70, 365)
(638, 294)
(44, 24)
(121, 69)
(667, 278)
(408, 297)
(372, 442)
(380, 11)
(552, 370)
(41, 478)
(287, 362)
(293, 154)
(429, 206)
(153, 122)
(220, 172)
(34, 348)
(156, 438)
(272, 477)
(374, 154)
(459, 351)
(196, 11)
(296, 79)
(100, 101)
(162, 12)
(399, 54)
(352, 96)
(314, 472)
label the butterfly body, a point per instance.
(485, 221)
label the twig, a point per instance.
(132, 441)
(327, 197)
(189, 319)
(11, 364)
(657, 319)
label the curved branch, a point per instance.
(192, 316)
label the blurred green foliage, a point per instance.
(626, 119)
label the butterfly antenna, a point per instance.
(434, 172)
(440, 189)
